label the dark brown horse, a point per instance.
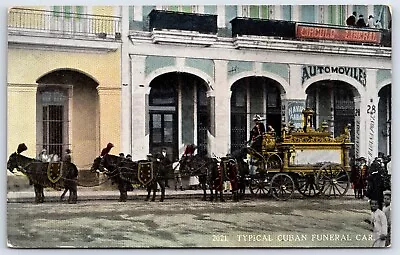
(126, 172)
(41, 175)
(211, 173)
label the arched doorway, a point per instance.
(333, 101)
(178, 113)
(250, 96)
(67, 107)
(385, 120)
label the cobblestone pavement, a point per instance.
(190, 223)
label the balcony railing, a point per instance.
(21, 20)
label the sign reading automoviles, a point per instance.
(354, 72)
(337, 34)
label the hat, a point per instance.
(68, 151)
(21, 148)
(257, 117)
(387, 192)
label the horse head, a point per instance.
(12, 162)
(19, 162)
(96, 165)
(109, 162)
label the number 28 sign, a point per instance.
(371, 109)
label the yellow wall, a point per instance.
(25, 66)
(21, 118)
(104, 67)
(103, 10)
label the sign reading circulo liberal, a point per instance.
(314, 31)
(356, 73)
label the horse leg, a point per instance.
(148, 188)
(63, 194)
(122, 191)
(154, 192)
(41, 194)
(204, 187)
(152, 187)
(73, 196)
(162, 187)
(37, 194)
(221, 194)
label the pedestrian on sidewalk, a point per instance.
(378, 223)
(387, 198)
(167, 164)
(177, 175)
(375, 182)
(71, 181)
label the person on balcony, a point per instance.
(361, 22)
(351, 20)
(371, 22)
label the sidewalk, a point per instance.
(88, 194)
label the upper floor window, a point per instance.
(307, 13)
(286, 12)
(68, 10)
(257, 11)
(336, 15)
(181, 8)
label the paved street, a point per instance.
(190, 223)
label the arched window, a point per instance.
(52, 113)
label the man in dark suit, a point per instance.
(167, 163)
(351, 20)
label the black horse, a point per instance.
(40, 176)
(240, 156)
(126, 172)
(211, 173)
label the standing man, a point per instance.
(375, 182)
(71, 179)
(166, 162)
(177, 175)
(387, 208)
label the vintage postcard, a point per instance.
(199, 126)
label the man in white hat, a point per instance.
(256, 134)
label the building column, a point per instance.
(222, 114)
(295, 101)
(126, 90)
(370, 116)
(139, 111)
(21, 101)
(109, 117)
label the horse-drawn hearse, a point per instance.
(304, 159)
